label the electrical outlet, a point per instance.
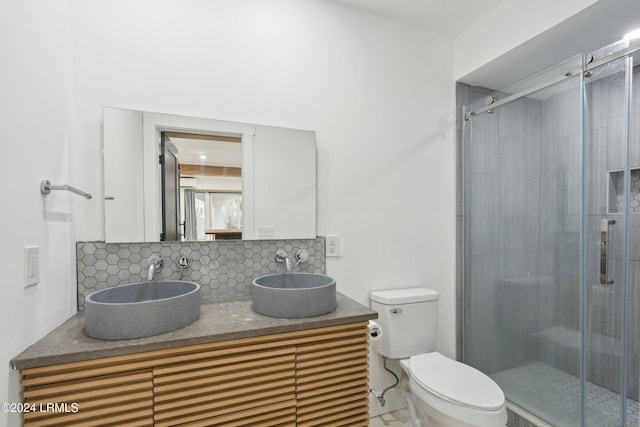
(332, 245)
(31, 265)
(266, 232)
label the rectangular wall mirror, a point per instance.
(177, 178)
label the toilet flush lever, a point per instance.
(396, 310)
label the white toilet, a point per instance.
(440, 391)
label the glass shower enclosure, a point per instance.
(551, 196)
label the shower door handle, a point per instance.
(604, 251)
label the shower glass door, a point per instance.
(552, 240)
(523, 202)
(608, 392)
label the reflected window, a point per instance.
(201, 216)
(226, 211)
(218, 215)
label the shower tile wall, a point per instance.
(224, 268)
(480, 263)
(464, 95)
(504, 251)
(561, 146)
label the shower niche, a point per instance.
(616, 199)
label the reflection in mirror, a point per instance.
(170, 189)
(210, 185)
(229, 179)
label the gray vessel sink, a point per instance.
(294, 295)
(141, 310)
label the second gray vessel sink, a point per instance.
(141, 310)
(294, 295)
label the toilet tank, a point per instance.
(408, 318)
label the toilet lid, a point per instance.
(456, 381)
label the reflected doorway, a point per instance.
(210, 185)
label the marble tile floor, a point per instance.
(555, 396)
(392, 419)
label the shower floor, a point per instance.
(543, 389)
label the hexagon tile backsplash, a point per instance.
(224, 268)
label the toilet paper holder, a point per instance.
(375, 331)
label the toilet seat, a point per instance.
(455, 382)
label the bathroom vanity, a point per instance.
(232, 367)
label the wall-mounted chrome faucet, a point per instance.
(156, 262)
(282, 257)
(302, 255)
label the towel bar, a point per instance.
(46, 187)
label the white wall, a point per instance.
(37, 128)
(379, 94)
(507, 26)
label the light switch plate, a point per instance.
(332, 245)
(31, 265)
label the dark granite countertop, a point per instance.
(219, 321)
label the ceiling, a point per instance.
(449, 17)
(218, 153)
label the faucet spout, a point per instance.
(155, 264)
(152, 268)
(281, 256)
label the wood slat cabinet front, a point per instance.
(238, 387)
(116, 399)
(315, 377)
(330, 372)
